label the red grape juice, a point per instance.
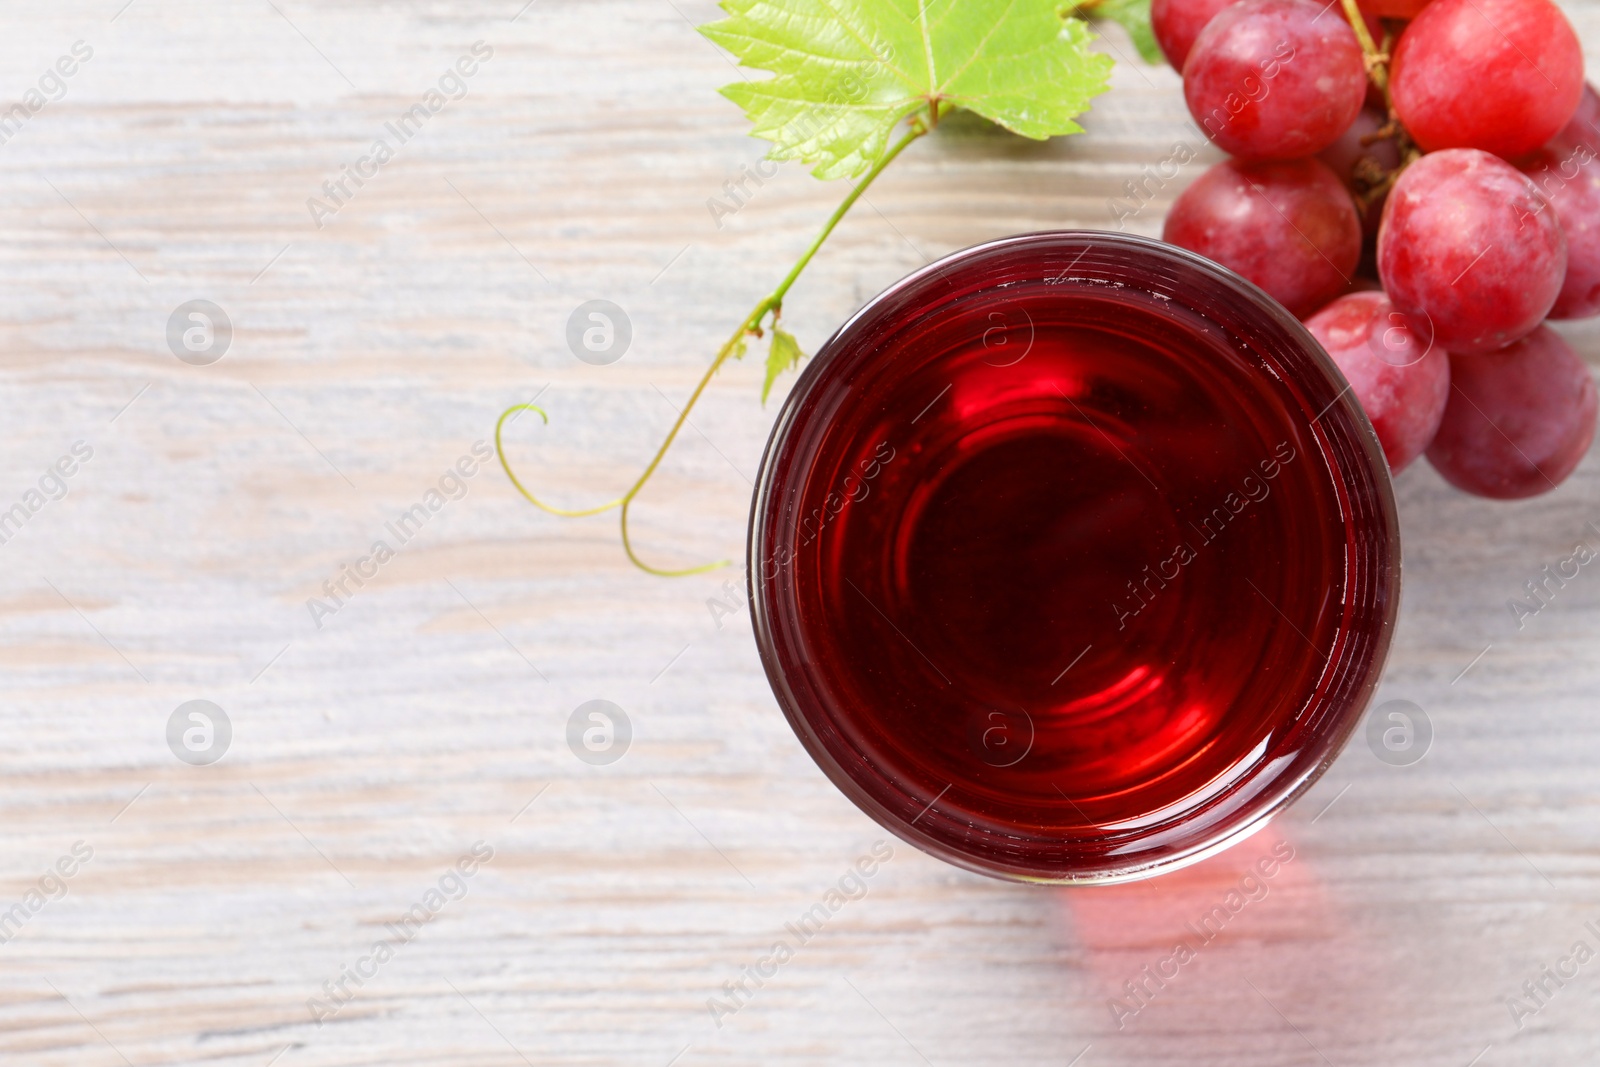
(1072, 559)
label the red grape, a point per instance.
(1178, 22)
(1400, 378)
(1584, 127)
(1569, 177)
(1275, 79)
(1500, 75)
(1518, 421)
(1390, 9)
(1466, 242)
(1288, 226)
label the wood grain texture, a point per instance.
(430, 712)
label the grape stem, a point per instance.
(771, 304)
(1377, 62)
(1377, 58)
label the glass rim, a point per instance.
(1331, 737)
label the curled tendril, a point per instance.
(734, 348)
(535, 501)
(622, 501)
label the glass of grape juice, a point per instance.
(1073, 558)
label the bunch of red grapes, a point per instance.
(1423, 196)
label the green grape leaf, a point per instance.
(846, 71)
(1134, 15)
(785, 353)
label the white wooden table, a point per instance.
(430, 711)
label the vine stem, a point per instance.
(735, 346)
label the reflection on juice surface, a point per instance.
(1054, 507)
